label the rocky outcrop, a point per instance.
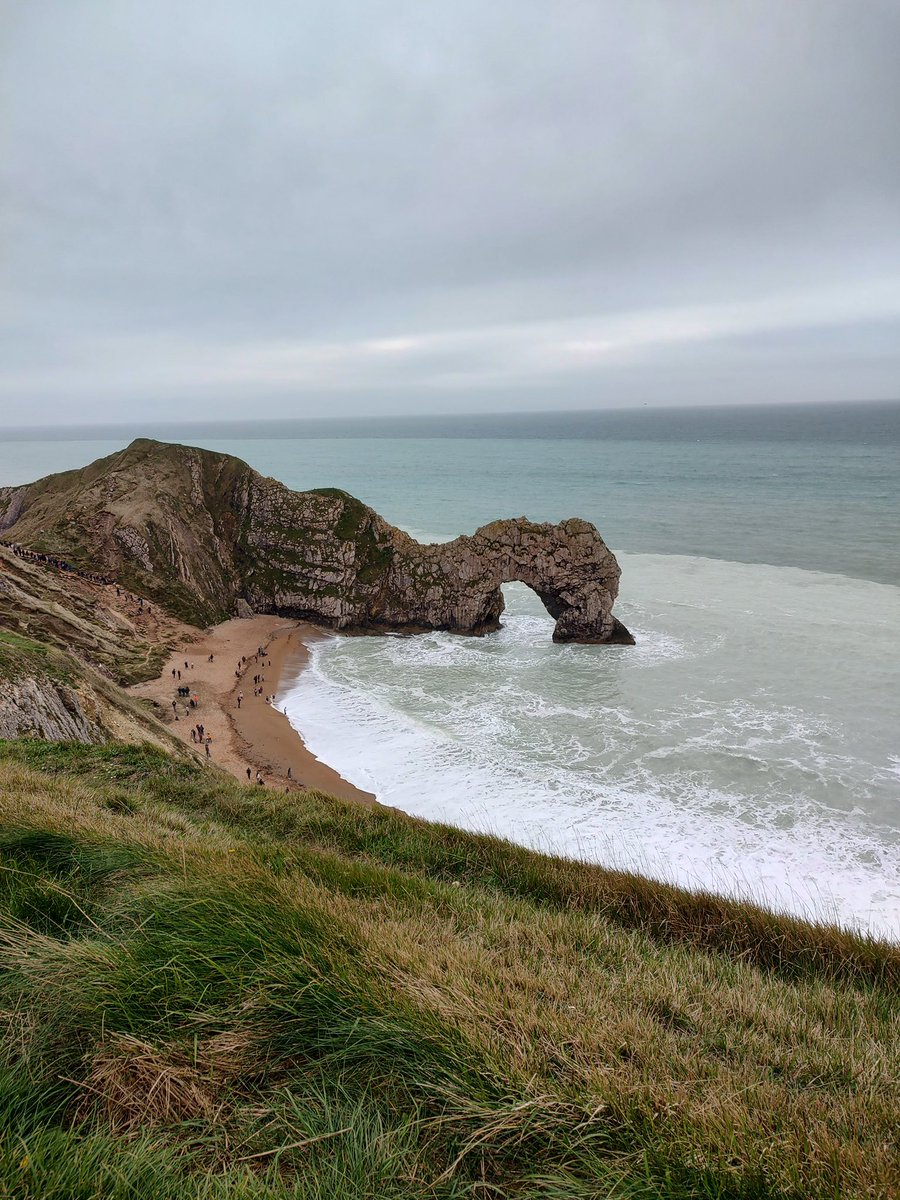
(44, 708)
(49, 693)
(72, 614)
(208, 537)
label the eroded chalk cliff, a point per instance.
(206, 536)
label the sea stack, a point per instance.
(208, 537)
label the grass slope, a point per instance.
(214, 991)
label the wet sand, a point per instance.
(257, 736)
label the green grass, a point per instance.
(20, 656)
(209, 991)
(15, 641)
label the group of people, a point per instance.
(200, 737)
(63, 564)
(184, 692)
(53, 560)
(258, 679)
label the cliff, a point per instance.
(85, 619)
(49, 694)
(206, 536)
(65, 643)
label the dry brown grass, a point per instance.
(604, 1036)
(131, 1086)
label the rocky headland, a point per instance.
(207, 537)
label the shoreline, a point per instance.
(256, 736)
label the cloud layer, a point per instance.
(408, 207)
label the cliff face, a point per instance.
(206, 536)
(50, 694)
(86, 620)
(65, 645)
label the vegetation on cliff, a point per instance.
(213, 991)
(49, 694)
(66, 644)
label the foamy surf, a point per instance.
(731, 749)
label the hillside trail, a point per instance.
(101, 623)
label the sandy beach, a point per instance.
(255, 736)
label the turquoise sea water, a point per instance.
(750, 742)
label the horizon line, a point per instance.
(201, 422)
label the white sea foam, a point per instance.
(733, 748)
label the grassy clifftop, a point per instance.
(217, 991)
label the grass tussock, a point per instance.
(208, 992)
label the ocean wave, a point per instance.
(706, 755)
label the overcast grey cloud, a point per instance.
(290, 208)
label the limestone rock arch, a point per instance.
(458, 585)
(207, 536)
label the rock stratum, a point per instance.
(207, 537)
(67, 648)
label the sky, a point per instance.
(289, 208)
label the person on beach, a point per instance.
(290, 776)
(208, 754)
(248, 774)
(240, 697)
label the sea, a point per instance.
(749, 743)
